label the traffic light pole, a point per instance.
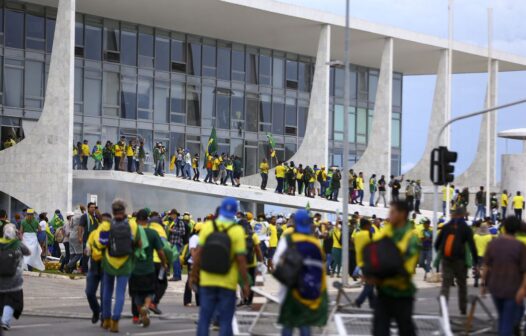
(437, 144)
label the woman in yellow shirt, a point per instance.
(482, 238)
(336, 250)
(362, 238)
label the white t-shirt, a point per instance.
(43, 225)
(192, 244)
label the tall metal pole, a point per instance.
(448, 90)
(345, 173)
(489, 104)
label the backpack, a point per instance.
(120, 239)
(382, 259)
(59, 235)
(290, 174)
(320, 176)
(290, 264)
(451, 246)
(216, 256)
(9, 260)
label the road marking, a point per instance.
(165, 332)
(31, 326)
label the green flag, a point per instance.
(272, 145)
(212, 143)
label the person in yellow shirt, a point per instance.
(482, 238)
(425, 235)
(504, 203)
(195, 167)
(129, 155)
(359, 187)
(118, 151)
(217, 288)
(299, 179)
(272, 242)
(362, 238)
(518, 204)
(85, 154)
(263, 170)
(216, 162)
(336, 249)
(280, 176)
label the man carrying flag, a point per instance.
(272, 145)
(211, 148)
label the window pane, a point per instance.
(265, 110)
(290, 113)
(129, 98)
(193, 112)
(290, 150)
(352, 127)
(50, 32)
(79, 90)
(79, 30)
(338, 122)
(145, 49)
(92, 92)
(252, 68)
(13, 86)
(179, 55)
(208, 106)
(238, 65)
(145, 98)
(362, 85)
(251, 155)
(373, 83)
(302, 118)
(194, 59)
(223, 111)
(162, 96)
(93, 41)
(278, 73)
(14, 29)
(339, 82)
(129, 47)
(265, 69)
(252, 113)
(292, 74)
(34, 83)
(111, 89)
(361, 125)
(111, 36)
(397, 91)
(35, 32)
(304, 76)
(177, 102)
(209, 61)
(395, 134)
(278, 111)
(238, 105)
(223, 63)
(162, 52)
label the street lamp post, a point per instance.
(345, 198)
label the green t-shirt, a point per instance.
(146, 266)
(30, 226)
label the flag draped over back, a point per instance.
(272, 145)
(211, 147)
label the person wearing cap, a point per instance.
(217, 292)
(451, 242)
(29, 228)
(178, 237)
(11, 286)
(425, 234)
(482, 238)
(305, 305)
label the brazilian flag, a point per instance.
(212, 143)
(272, 145)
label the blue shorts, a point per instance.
(270, 253)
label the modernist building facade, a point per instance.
(170, 71)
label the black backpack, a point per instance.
(382, 259)
(288, 269)
(248, 240)
(120, 239)
(9, 259)
(216, 256)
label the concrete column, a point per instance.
(38, 170)
(315, 146)
(438, 117)
(377, 156)
(475, 175)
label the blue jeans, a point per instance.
(481, 209)
(178, 169)
(93, 278)
(7, 315)
(360, 196)
(208, 177)
(426, 260)
(304, 331)
(335, 192)
(220, 300)
(188, 171)
(509, 315)
(177, 265)
(328, 258)
(108, 283)
(279, 188)
(371, 198)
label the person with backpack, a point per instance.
(119, 239)
(451, 243)
(178, 237)
(186, 258)
(219, 261)
(303, 295)
(291, 178)
(143, 277)
(480, 203)
(12, 251)
(389, 262)
(254, 256)
(335, 185)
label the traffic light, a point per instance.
(442, 168)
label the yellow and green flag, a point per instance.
(272, 145)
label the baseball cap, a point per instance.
(228, 208)
(30, 211)
(302, 221)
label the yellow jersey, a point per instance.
(263, 168)
(280, 171)
(273, 236)
(337, 238)
(361, 239)
(359, 183)
(504, 201)
(482, 242)
(518, 202)
(85, 150)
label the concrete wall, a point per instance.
(314, 148)
(513, 173)
(37, 171)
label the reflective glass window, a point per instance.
(265, 113)
(92, 93)
(93, 35)
(223, 110)
(339, 82)
(208, 107)
(290, 150)
(292, 74)
(129, 97)
(79, 30)
(361, 126)
(338, 123)
(111, 36)
(177, 106)
(238, 110)
(162, 53)
(278, 73)
(129, 46)
(238, 65)
(145, 98)
(352, 126)
(50, 33)
(223, 63)
(209, 60)
(13, 83)
(265, 70)
(111, 84)
(397, 90)
(161, 104)
(278, 115)
(14, 29)
(34, 84)
(251, 156)
(79, 88)
(395, 134)
(353, 86)
(178, 56)
(291, 117)
(194, 59)
(304, 76)
(146, 48)
(193, 110)
(303, 109)
(252, 112)
(252, 68)
(35, 33)
(373, 84)
(362, 85)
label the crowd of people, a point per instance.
(225, 250)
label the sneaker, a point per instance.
(5, 326)
(215, 325)
(95, 318)
(153, 308)
(135, 320)
(145, 317)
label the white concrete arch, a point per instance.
(38, 170)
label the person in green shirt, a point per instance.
(29, 228)
(143, 278)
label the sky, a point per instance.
(468, 91)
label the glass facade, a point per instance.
(174, 87)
